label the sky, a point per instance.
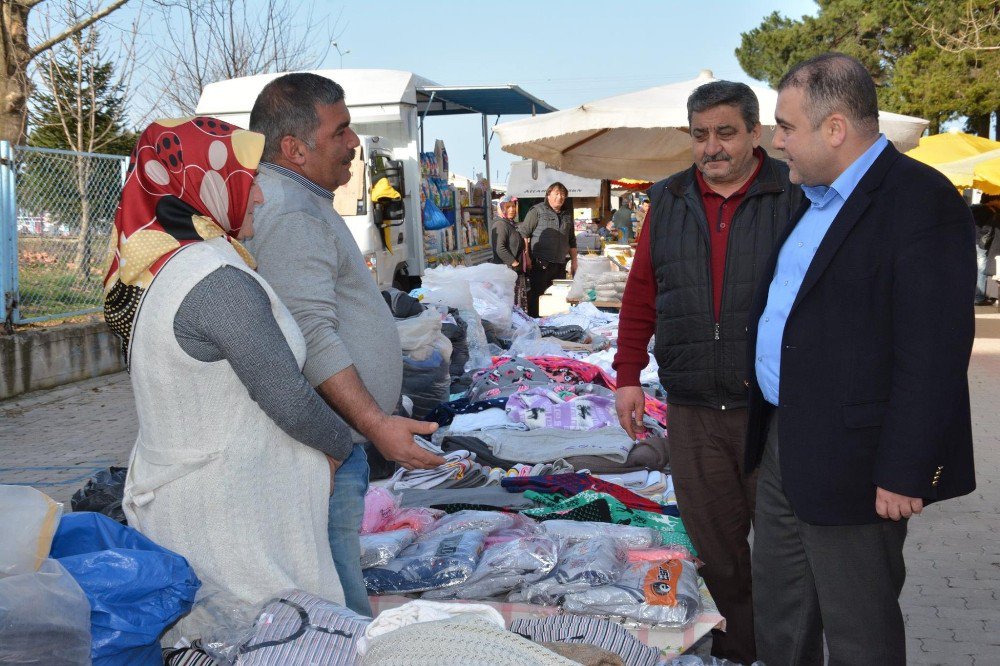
(564, 52)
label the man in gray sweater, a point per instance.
(306, 252)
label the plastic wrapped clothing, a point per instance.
(44, 618)
(383, 514)
(663, 593)
(628, 537)
(600, 507)
(28, 525)
(588, 630)
(294, 629)
(421, 610)
(581, 566)
(379, 549)
(503, 567)
(103, 493)
(136, 588)
(436, 560)
(484, 521)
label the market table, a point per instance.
(671, 642)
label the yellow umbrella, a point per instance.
(956, 155)
(986, 176)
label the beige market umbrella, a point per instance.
(643, 135)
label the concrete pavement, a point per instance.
(54, 440)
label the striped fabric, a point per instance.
(300, 629)
(594, 631)
(300, 179)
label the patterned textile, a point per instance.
(589, 630)
(189, 180)
(671, 528)
(571, 484)
(587, 407)
(300, 629)
(446, 412)
(566, 370)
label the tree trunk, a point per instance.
(979, 125)
(82, 256)
(14, 84)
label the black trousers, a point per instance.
(809, 580)
(541, 277)
(716, 500)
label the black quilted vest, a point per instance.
(703, 362)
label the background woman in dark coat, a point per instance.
(508, 247)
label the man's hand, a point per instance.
(630, 404)
(893, 506)
(394, 440)
(334, 466)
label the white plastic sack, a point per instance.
(588, 270)
(490, 285)
(418, 335)
(44, 618)
(457, 295)
(29, 521)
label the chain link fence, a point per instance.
(62, 205)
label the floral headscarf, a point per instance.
(188, 181)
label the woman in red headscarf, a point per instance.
(230, 468)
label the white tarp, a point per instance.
(523, 182)
(643, 135)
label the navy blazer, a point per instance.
(875, 353)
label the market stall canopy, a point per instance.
(967, 160)
(501, 100)
(643, 135)
(528, 182)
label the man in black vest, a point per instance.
(705, 240)
(860, 333)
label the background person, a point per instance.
(548, 229)
(508, 247)
(229, 468)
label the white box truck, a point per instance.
(388, 108)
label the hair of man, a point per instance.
(836, 83)
(287, 107)
(729, 93)
(557, 186)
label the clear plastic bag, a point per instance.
(44, 618)
(627, 536)
(587, 273)
(503, 567)
(378, 549)
(457, 295)
(435, 560)
(418, 335)
(490, 285)
(30, 520)
(581, 566)
(485, 521)
(663, 593)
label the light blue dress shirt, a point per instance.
(793, 261)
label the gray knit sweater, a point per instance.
(307, 253)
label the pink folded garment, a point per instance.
(382, 514)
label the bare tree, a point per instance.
(17, 53)
(82, 106)
(975, 26)
(225, 39)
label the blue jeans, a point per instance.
(347, 508)
(981, 257)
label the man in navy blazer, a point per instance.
(860, 338)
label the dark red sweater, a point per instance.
(638, 314)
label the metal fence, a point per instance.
(57, 211)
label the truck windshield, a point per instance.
(349, 199)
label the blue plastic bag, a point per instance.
(136, 588)
(434, 219)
